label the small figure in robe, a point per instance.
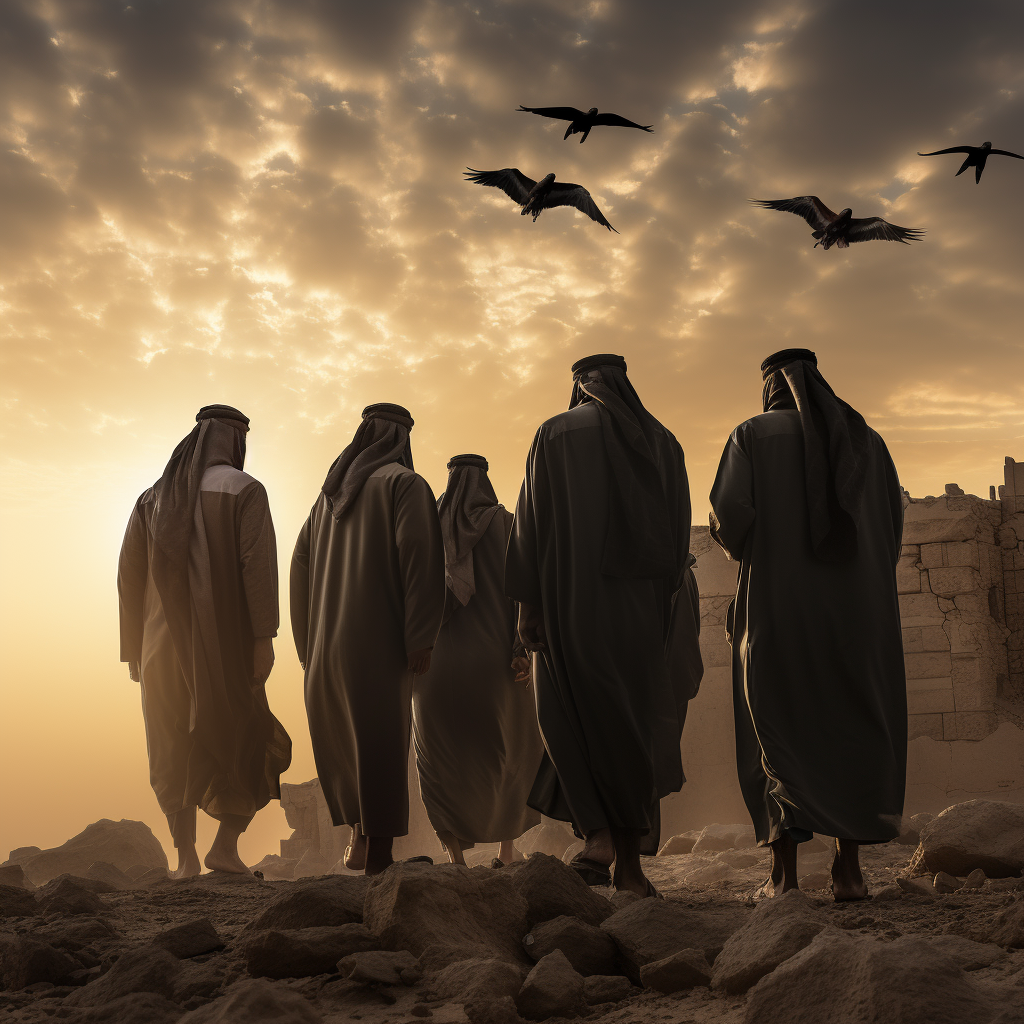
(599, 549)
(808, 502)
(474, 720)
(197, 582)
(367, 594)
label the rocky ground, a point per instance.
(942, 940)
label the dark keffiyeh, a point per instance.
(466, 509)
(835, 449)
(640, 542)
(381, 438)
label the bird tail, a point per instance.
(963, 167)
(568, 132)
(842, 243)
(977, 172)
(585, 134)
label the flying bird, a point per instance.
(583, 121)
(976, 157)
(537, 196)
(840, 229)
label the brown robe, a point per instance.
(223, 751)
(367, 590)
(478, 745)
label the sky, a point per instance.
(261, 203)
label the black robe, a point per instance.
(819, 689)
(608, 706)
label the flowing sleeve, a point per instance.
(732, 500)
(421, 561)
(258, 554)
(298, 590)
(522, 558)
(132, 572)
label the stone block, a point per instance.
(927, 665)
(939, 683)
(920, 702)
(908, 575)
(931, 556)
(938, 523)
(951, 553)
(954, 580)
(715, 573)
(920, 610)
(969, 725)
(924, 725)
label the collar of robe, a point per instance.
(465, 509)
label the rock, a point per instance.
(1005, 929)
(335, 900)
(478, 981)
(121, 843)
(111, 874)
(381, 967)
(438, 955)
(153, 876)
(840, 977)
(413, 906)
(190, 938)
(975, 880)
(719, 837)
(919, 821)
(255, 1001)
(96, 886)
(13, 875)
(984, 834)
(551, 989)
(276, 867)
(678, 844)
(946, 883)
(27, 961)
(739, 859)
(491, 1011)
(144, 969)
(606, 988)
(68, 898)
(916, 888)
(888, 893)
(706, 874)
(312, 864)
(303, 952)
(677, 973)
(777, 929)
(969, 955)
(134, 1008)
(553, 889)
(589, 949)
(77, 932)
(649, 930)
(17, 902)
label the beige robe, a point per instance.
(478, 745)
(366, 591)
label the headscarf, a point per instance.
(381, 438)
(640, 543)
(835, 449)
(466, 509)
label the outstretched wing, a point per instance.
(615, 121)
(1006, 152)
(874, 229)
(811, 208)
(562, 113)
(565, 193)
(510, 180)
(952, 149)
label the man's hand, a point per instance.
(522, 668)
(135, 671)
(531, 628)
(419, 661)
(262, 659)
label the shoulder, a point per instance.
(766, 424)
(228, 480)
(403, 480)
(582, 417)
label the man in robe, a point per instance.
(808, 502)
(475, 725)
(367, 594)
(599, 549)
(197, 582)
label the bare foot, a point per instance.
(355, 852)
(633, 880)
(226, 860)
(784, 874)
(508, 854)
(188, 864)
(847, 880)
(453, 848)
(378, 854)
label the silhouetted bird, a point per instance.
(976, 157)
(840, 229)
(536, 196)
(583, 121)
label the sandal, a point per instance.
(591, 871)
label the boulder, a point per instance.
(916, 887)
(551, 989)
(975, 880)
(302, 952)
(25, 961)
(721, 837)
(76, 933)
(648, 930)
(1005, 929)
(413, 906)
(134, 1008)
(68, 898)
(490, 1010)
(776, 930)
(190, 938)
(677, 973)
(478, 980)
(144, 969)
(122, 843)
(945, 883)
(679, 844)
(553, 889)
(96, 886)
(17, 902)
(708, 873)
(969, 955)
(255, 1001)
(590, 950)
(110, 874)
(14, 875)
(331, 901)
(841, 977)
(986, 834)
(381, 967)
(606, 988)
(439, 955)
